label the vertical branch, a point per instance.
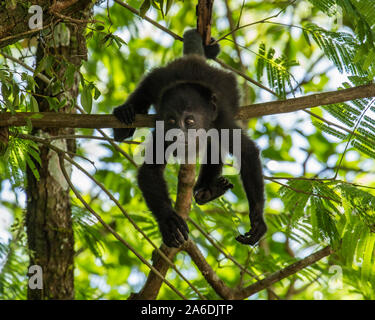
(186, 179)
(150, 290)
(204, 14)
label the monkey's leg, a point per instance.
(173, 228)
(252, 180)
(210, 184)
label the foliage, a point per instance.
(314, 174)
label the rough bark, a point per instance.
(14, 18)
(48, 216)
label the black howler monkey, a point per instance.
(190, 94)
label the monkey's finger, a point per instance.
(119, 114)
(125, 114)
(243, 239)
(246, 240)
(251, 237)
(182, 226)
(129, 114)
(184, 231)
(179, 237)
(172, 243)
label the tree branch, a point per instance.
(283, 273)
(52, 119)
(228, 293)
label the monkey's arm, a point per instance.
(252, 180)
(138, 102)
(173, 228)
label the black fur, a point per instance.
(189, 88)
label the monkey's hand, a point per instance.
(173, 229)
(258, 229)
(126, 114)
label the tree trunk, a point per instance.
(48, 217)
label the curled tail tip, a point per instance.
(212, 51)
(193, 44)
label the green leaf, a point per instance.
(367, 265)
(34, 104)
(86, 99)
(97, 93)
(144, 7)
(32, 166)
(168, 6)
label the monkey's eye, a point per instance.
(171, 121)
(189, 121)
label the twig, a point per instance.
(228, 256)
(245, 76)
(135, 11)
(241, 293)
(284, 273)
(112, 143)
(24, 34)
(351, 135)
(301, 191)
(81, 136)
(76, 21)
(21, 63)
(320, 180)
(253, 23)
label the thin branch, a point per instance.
(25, 34)
(135, 11)
(21, 63)
(284, 273)
(186, 179)
(254, 23)
(319, 180)
(301, 191)
(245, 76)
(228, 256)
(111, 141)
(82, 136)
(228, 293)
(209, 274)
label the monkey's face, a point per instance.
(186, 108)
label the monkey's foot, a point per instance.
(206, 194)
(258, 229)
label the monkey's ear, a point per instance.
(213, 104)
